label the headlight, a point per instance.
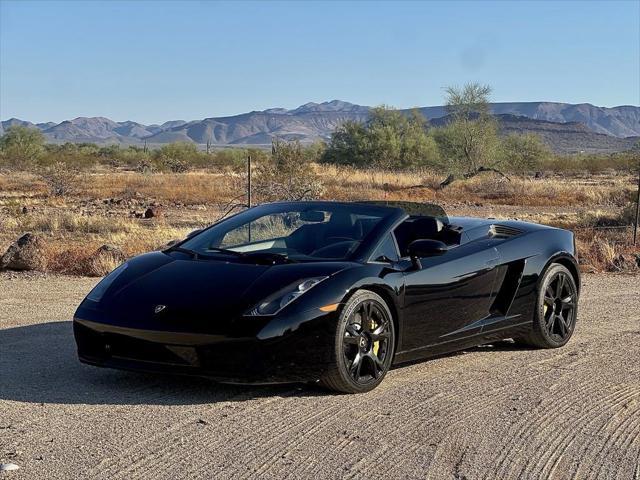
(98, 291)
(276, 302)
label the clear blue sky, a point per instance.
(152, 61)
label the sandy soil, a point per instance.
(491, 412)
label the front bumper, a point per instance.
(274, 355)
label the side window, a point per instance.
(387, 251)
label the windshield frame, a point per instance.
(389, 216)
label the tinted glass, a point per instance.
(387, 251)
(304, 231)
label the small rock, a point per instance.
(7, 467)
(202, 422)
(103, 260)
(25, 210)
(26, 253)
(152, 212)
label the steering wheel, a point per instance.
(335, 250)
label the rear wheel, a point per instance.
(556, 309)
(364, 345)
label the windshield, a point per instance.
(296, 231)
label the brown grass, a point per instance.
(76, 225)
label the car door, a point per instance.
(446, 298)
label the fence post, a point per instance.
(248, 181)
(635, 227)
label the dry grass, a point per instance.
(609, 251)
(186, 188)
(348, 184)
(76, 225)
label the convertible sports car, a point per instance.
(331, 292)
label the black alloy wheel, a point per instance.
(365, 342)
(557, 309)
(559, 305)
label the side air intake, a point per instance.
(502, 231)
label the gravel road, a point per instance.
(492, 412)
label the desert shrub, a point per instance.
(60, 177)
(593, 163)
(522, 153)
(75, 156)
(286, 176)
(177, 157)
(390, 139)
(20, 147)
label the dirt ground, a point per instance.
(491, 412)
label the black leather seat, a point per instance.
(416, 229)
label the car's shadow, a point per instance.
(38, 364)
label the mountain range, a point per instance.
(566, 128)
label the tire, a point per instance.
(363, 350)
(556, 309)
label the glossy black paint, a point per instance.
(480, 290)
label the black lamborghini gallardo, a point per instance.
(331, 292)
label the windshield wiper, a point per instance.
(270, 258)
(226, 251)
(193, 253)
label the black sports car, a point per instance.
(331, 292)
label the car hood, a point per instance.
(170, 291)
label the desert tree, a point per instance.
(469, 142)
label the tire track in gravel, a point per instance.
(161, 447)
(565, 436)
(489, 413)
(528, 428)
(621, 440)
(583, 469)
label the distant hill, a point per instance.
(566, 128)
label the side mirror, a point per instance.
(194, 233)
(425, 248)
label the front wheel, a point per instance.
(364, 345)
(556, 309)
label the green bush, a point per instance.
(21, 147)
(390, 139)
(522, 153)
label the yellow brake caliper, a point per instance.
(376, 344)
